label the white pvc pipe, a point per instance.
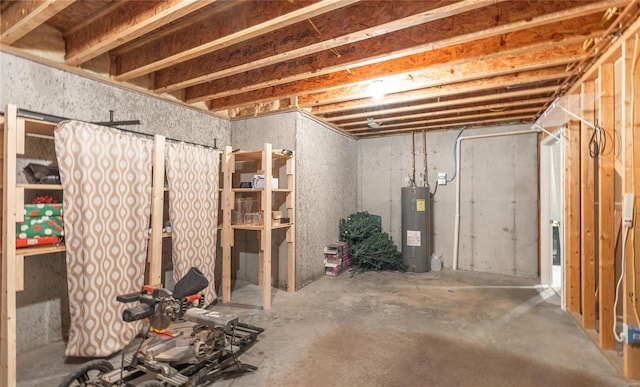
(456, 231)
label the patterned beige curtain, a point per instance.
(106, 177)
(192, 174)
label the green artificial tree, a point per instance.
(371, 248)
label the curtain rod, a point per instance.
(57, 119)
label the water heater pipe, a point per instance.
(413, 159)
(425, 174)
(456, 231)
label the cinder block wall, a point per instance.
(43, 313)
(499, 194)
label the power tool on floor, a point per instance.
(201, 346)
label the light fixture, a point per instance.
(376, 89)
(373, 124)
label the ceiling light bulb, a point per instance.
(377, 89)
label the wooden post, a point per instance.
(631, 135)
(606, 247)
(587, 213)
(572, 217)
(154, 257)
(291, 231)
(265, 245)
(8, 296)
(227, 237)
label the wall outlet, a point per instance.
(632, 334)
(442, 178)
(627, 210)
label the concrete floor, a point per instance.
(400, 329)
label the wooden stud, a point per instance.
(265, 246)
(20, 135)
(606, 227)
(291, 231)
(631, 128)
(157, 207)
(587, 213)
(8, 295)
(227, 238)
(572, 217)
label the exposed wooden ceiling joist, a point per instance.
(238, 23)
(127, 22)
(20, 18)
(442, 63)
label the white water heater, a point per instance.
(416, 228)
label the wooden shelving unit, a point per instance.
(264, 161)
(14, 131)
(12, 143)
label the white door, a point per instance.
(551, 213)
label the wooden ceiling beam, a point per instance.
(410, 44)
(333, 88)
(417, 115)
(318, 35)
(394, 103)
(445, 120)
(21, 17)
(128, 22)
(469, 123)
(239, 23)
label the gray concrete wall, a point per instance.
(499, 195)
(42, 307)
(325, 191)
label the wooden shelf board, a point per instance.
(47, 187)
(39, 127)
(257, 227)
(38, 250)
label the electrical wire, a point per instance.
(615, 302)
(455, 160)
(597, 142)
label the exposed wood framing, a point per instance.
(133, 19)
(265, 234)
(631, 128)
(200, 38)
(395, 103)
(572, 217)
(20, 18)
(439, 75)
(291, 231)
(154, 258)
(228, 168)
(8, 295)
(408, 44)
(322, 43)
(587, 212)
(606, 226)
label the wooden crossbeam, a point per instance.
(128, 22)
(416, 79)
(22, 17)
(606, 226)
(587, 211)
(250, 20)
